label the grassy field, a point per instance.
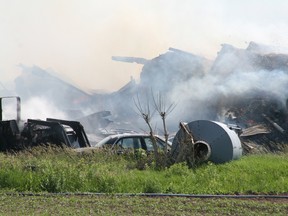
(136, 205)
(55, 170)
(46, 170)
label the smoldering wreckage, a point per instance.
(234, 104)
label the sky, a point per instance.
(77, 38)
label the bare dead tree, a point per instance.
(146, 113)
(160, 104)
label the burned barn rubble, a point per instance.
(243, 88)
(260, 108)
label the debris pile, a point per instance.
(246, 88)
(260, 110)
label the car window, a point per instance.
(106, 141)
(73, 140)
(129, 142)
(149, 143)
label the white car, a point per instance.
(133, 141)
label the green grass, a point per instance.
(58, 170)
(45, 170)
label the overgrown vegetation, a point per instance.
(63, 170)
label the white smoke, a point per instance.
(199, 94)
(40, 108)
(78, 38)
(9, 108)
(203, 97)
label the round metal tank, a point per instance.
(224, 142)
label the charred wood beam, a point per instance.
(130, 59)
(274, 124)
